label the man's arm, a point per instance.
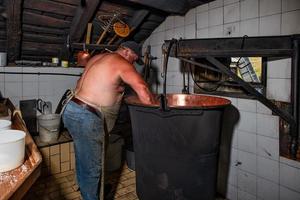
(130, 76)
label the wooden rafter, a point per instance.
(71, 2)
(50, 6)
(43, 38)
(52, 49)
(14, 30)
(82, 16)
(2, 34)
(42, 20)
(2, 45)
(136, 21)
(38, 29)
(164, 7)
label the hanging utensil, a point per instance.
(106, 23)
(84, 56)
(121, 29)
(88, 33)
(40, 105)
(44, 107)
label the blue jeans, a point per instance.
(86, 130)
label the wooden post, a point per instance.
(79, 23)
(14, 31)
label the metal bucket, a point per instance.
(176, 150)
(49, 127)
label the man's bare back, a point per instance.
(101, 83)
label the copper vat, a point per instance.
(176, 149)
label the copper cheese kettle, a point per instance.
(83, 57)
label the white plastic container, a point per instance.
(12, 149)
(49, 127)
(5, 124)
(3, 59)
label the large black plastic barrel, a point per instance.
(176, 151)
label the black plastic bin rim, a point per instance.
(184, 101)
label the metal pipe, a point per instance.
(264, 75)
(286, 116)
(93, 46)
(183, 67)
(295, 98)
(163, 97)
(199, 64)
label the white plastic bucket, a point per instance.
(5, 124)
(12, 149)
(114, 152)
(49, 127)
(3, 59)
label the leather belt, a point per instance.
(85, 106)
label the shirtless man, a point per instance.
(100, 89)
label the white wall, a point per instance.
(47, 87)
(262, 174)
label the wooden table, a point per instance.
(15, 183)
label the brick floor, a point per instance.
(62, 186)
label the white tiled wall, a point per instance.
(234, 18)
(32, 86)
(256, 171)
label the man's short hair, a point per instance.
(136, 48)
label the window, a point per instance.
(250, 69)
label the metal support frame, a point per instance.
(272, 46)
(81, 46)
(295, 97)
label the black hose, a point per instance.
(163, 97)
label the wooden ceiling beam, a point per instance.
(37, 58)
(2, 24)
(30, 51)
(2, 45)
(39, 49)
(42, 20)
(3, 34)
(149, 25)
(156, 18)
(40, 46)
(178, 7)
(50, 6)
(157, 6)
(109, 7)
(82, 17)
(70, 2)
(136, 22)
(2, 9)
(14, 30)
(39, 29)
(31, 37)
(138, 19)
